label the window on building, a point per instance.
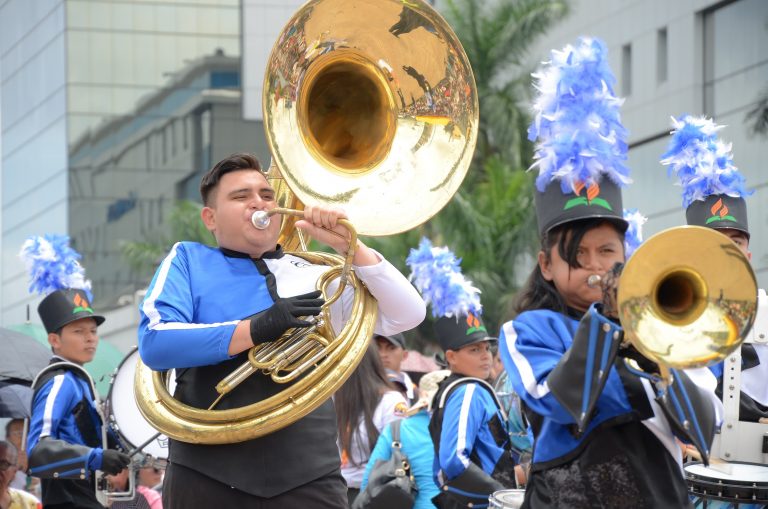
(661, 55)
(626, 70)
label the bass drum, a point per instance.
(517, 423)
(127, 422)
(744, 486)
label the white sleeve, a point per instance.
(706, 380)
(391, 408)
(401, 308)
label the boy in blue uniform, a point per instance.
(713, 197)
(468, 425)
(65, 445)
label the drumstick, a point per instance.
(142, 446)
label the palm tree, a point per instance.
(490, 223)
(757, 117)
(184, 224)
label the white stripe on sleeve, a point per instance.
(461, 440)
(536, 390)
(49, 402)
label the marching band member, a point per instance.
(469, 429)
(601, 430)
(713, 197)
(204, 310)
(65, 445)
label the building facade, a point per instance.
(109, 111)
(702, 57)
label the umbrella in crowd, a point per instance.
(21, 358)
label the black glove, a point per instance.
(270, 324)
(630, 352)
(113, 462)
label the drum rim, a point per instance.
(694, 480)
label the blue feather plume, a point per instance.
(53, 265)
(577, 123)
(634, 235)
(701, 161)
(436, 272)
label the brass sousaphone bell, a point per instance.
(369, 105)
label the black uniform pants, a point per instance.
(184, 488)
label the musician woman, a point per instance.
(206, 307)
(602, 437)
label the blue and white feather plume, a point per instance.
(634, 234)
(53, 265)
(577, 127)
(436, 273)
(701, 161)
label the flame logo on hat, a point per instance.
(720, 212)
(474, 324)
(81, 304)
(592, 197)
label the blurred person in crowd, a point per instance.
(14, 432)
(415, 442)
(392, 353)
(12, 498)
(364, 405)
(143, 496)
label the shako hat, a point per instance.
(713, 188)
(454, 301)
(580, 141)
(55, 272)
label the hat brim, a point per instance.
(489, 339)
(99, 319)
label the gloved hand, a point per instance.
(630, 352)
(270, 324)
(113, 462)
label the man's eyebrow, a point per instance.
(237, 191)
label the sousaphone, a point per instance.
(369, 105)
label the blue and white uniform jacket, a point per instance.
(187, 321)
(533, 344)
(65, 408)
(469, 413)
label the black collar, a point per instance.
(277, 253)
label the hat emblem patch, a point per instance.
(592, 197)
(474, 324)
(81, 304)
(720, 212)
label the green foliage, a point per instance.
(757, 117)
(184, 224)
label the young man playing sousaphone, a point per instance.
(207, 307)
(65, 445)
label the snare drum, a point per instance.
(506, 499)
(126, 420)
(744, 487)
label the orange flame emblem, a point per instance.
(80, 301)
(719, 208)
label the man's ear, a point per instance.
(208, 215)
(545, 266)
(450, 357)
(405, 354)
(54, 340)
